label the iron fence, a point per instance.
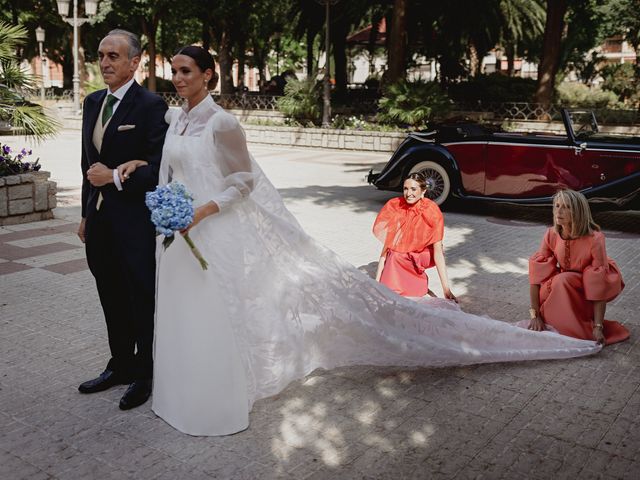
(525, 111)
(522, 111)
(231, 101)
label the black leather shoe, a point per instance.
(106, 380)
(137, 393)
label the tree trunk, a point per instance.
(550, 59)
(149, 28)
(15, 11)
(206, 36)
(310, 61)
(67, 64)
(339, 32)
(226, 64)
(371, 44)
(259, 56)
(510, 51)
(397, 60)
(242, 46)
(474, 61)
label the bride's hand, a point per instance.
(129, 167)
(201, 213)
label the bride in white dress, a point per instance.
(274, 304)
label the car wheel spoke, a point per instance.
(435, 182)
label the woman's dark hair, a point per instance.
(419, 178)
(204, 60)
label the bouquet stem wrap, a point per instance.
(195, 251)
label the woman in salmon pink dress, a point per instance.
(571, 276)
(411, 228)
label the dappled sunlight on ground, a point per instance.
(341, 424)
(520, 265)
(454, 236)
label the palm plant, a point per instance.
(301, 100)
(26, 117)
(521, 21)
(413, 103)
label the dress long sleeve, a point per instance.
(543, 263)
(602, 279)
(234, 160)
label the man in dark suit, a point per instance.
(125, 122)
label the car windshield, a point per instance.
(583, 123)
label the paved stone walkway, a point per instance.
(553, 419)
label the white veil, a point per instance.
(297, 306)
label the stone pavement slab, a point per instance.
(576, 418)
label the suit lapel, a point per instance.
(121, 112)
(92, 110)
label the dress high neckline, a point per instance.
(191, 122)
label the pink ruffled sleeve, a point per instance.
(602, 279)
(543, 264)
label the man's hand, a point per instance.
(99, 175)
(81, 230)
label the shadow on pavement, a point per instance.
(358, 198)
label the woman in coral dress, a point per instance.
(571, 277)
(411, 228)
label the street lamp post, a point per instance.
(326, 95)
(40, 40)
(90, 7)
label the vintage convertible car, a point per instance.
(471, 161)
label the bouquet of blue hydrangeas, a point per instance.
(171, 208)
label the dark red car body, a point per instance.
(470, 161)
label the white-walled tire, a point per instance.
(438, 182)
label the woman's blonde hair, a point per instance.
(581, 220)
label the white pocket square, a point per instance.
(123, 128)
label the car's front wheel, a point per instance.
(438, 182)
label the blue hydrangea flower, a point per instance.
(171, 208)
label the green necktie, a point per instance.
(108, 108)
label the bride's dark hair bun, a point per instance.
(203, 59)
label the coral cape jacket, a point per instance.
(404, 227)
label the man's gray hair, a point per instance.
(135, 48)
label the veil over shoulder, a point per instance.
(275, 304)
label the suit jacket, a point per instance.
(145, 111)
